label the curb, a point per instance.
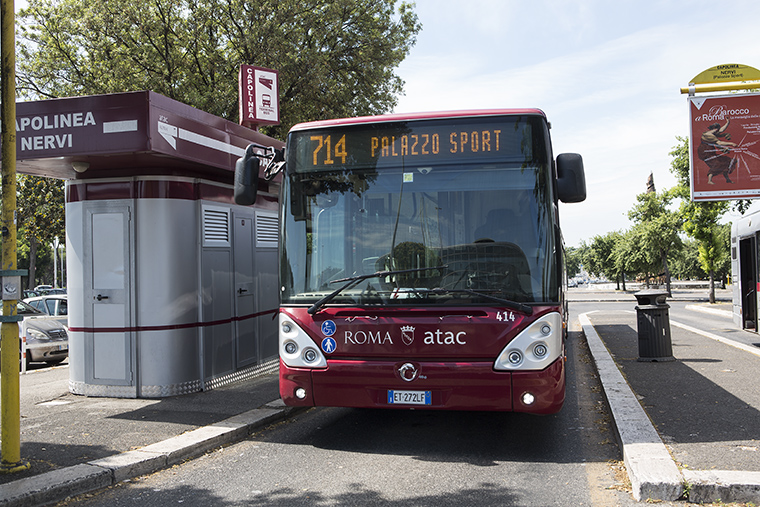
(651, 470)
(725, 486)
(57, 485)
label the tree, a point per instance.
(701, 219)
(639, 258)
(686, 264)
(624, 254)
(335, 57)
(40, 214)
(603, 257)
(701, 223)
(574, 259)
(723, 265)
(657, 228)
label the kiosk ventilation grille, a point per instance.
(266, 230)
(216, 227)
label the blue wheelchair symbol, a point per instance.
(328, 328)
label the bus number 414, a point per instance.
(505, 316)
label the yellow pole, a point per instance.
(10, 432)
(720, 87)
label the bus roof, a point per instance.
(434, 115)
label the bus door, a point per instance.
(748, 282)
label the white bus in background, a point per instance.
(744, 271)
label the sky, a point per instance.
(606, 73)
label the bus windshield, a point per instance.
(448, 228)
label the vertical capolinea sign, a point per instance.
(725, 147)
(259, 99)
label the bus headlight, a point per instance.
(309, 355)
(297, 349)
(535, 347)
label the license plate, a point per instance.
(409, 397)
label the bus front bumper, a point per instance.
(441, 386)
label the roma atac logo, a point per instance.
(407, 334)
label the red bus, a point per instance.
(421, 262)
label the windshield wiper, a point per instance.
(520, 307)
(353, 280)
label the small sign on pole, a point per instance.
(259, 96)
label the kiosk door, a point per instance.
(748, 282)
(245, 292)
(109, 344)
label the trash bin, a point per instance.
(653, 321)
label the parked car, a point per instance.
(50, 304)
(43, 290)
(47, 340)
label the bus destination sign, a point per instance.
(412, 142)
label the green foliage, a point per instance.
(656, 230)
(685, 264)
(701, 219)
(43, 262)
(629, 255)
(574, 259)
(679, 166)
(335, 57)
(41, 204)
(600, 260)
(723, 264)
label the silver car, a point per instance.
(47, 340)
(51, 304)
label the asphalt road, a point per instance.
(336, 456)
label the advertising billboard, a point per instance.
(259, 99)
(725, 147)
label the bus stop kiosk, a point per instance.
(172, 287)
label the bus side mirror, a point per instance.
(247, 178)
(571, 180)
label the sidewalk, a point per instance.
(692, 422)
(77, 444)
